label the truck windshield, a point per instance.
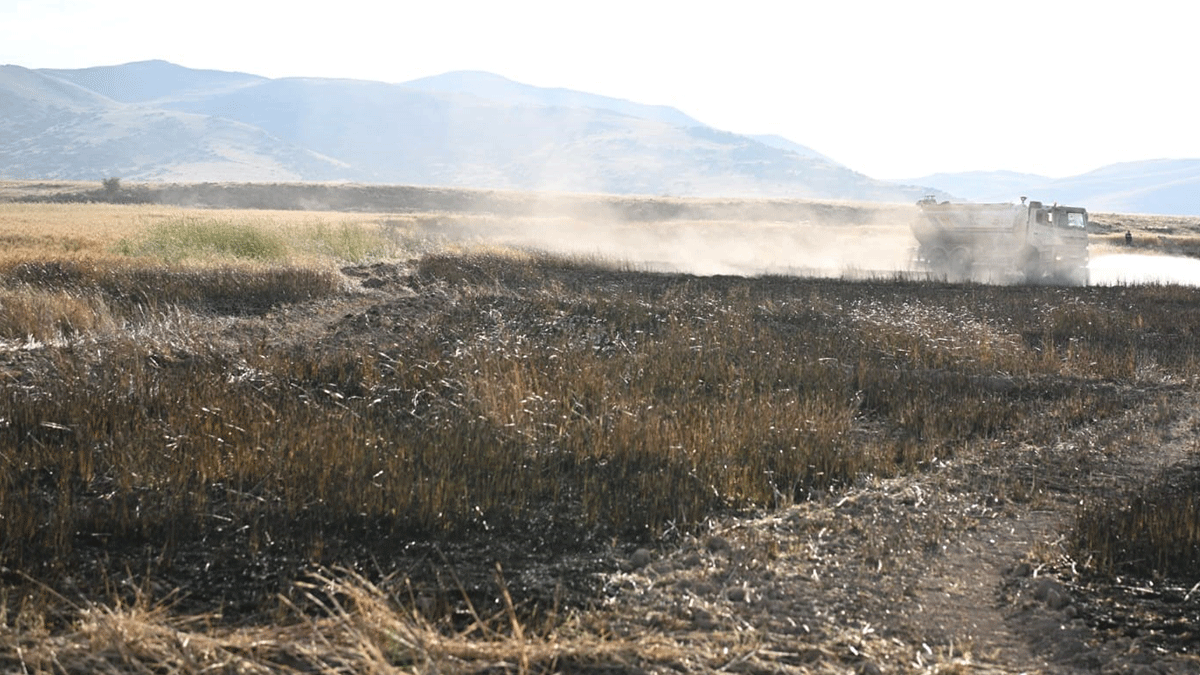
(1076, 220)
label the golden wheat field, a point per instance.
(404, 438)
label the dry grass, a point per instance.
(1151, 533)
(39, 230)
(1144, 224)
(171, 234)
(342, 623)
(53, 300)
(627, 401)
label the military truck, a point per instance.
(1029, 242)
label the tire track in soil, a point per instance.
(986, 593)
(816, 588)
(957, 604)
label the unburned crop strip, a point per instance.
(49, 299)
(46, 316)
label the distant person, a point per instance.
(1128, 238)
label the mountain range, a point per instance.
(157, 121)
(1159, 186)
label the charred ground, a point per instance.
(673, 473)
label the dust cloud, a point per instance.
(1133, 269)
(861, 242)
(843, 241)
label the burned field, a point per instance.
(511, 461)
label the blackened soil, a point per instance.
(239, 575)
(914, 567)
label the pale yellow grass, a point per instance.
(92, 230)
(56, 229)
(356, 627)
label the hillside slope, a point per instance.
(159, 121)
(497, 89)
(1160, 186)
(52, 128)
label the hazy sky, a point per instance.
(890, 88)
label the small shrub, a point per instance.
(348, 242)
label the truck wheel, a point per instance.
(1075, 277)
(1031, 265)
(935, 260)
(960, 263)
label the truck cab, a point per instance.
(1056, 243)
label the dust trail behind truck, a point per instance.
(1003, 243)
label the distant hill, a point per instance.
(987, 186)
(27, 95)
(52, 128)
(147, 81)
(1161, 186)
(499, 89)
(155, 120)
(776, 141)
